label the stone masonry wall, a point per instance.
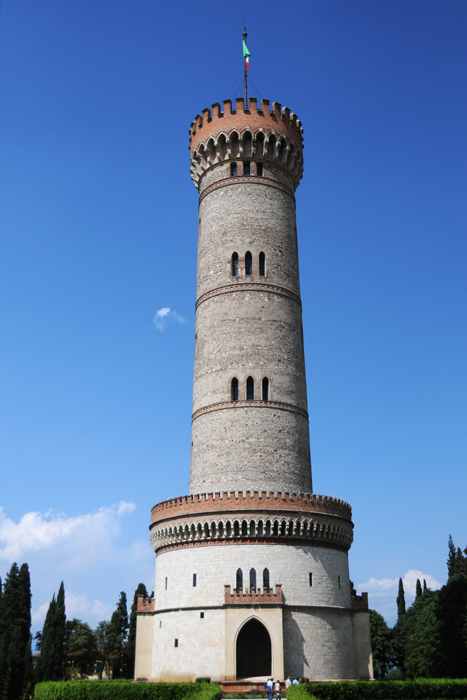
(242, 217)
(253, 328)
(249, 333)
(250, 448)
(317, 619)
(216, 567)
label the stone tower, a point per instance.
(252, 567)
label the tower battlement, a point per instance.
(277, 117)
(259, 133)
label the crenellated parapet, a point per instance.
(252, 500)
(254, 596)
(273, 136)
(359, 603)
(145, 604)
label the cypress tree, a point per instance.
(116, 637)
(131, 646)
(400, 600)
(418, 589)
(457, 561)
(24, 581)
(399, 630)
(424, 586)
(60, 632)
(50, 666)
(15, 633)
(451, 557)
(45, 661)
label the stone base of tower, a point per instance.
(244, 606)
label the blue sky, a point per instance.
(98, 226)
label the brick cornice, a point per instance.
(246, 180)
(278, 405)
(245, 286)
(291, 542)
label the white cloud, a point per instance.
(382, 593)
(77, 538)
(164, 315)
(78, 606)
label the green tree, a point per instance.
(50, 666)
(80, 650)
(457, 561)
(400, 599)
(15, 634)
(422, 643)
(418, 589)
(451, 613)
(131, 645)
(399, 631)
(103, 667)
(381, 645)
(116, 639)
(43, 671)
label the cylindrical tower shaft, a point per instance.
(250, 421)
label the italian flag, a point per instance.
(246, 56)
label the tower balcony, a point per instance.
(246, 517)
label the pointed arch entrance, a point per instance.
(253, 650)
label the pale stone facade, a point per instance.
(252, 568)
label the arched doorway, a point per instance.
(253, 650)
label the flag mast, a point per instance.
(245, 60)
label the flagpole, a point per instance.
(244, 61)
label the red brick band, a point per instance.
(280, 405)
(221, 501)
(294, 542)
(250, 287)
(246, 179)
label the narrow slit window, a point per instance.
(311, 578)
(235, 265)
(250, 389)
(166, 583)
(246, 168)
(194, 580)
(262, 264)
(201, 615)
(266, 579)
(233, 170)
(265, 389)
(234, 389)
(176, 642)
(339, 581)
(239, 579)
(259, 169)
(248, 264)
(160, 623)
(253, 579)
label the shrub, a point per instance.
(418, 689)
(203, 679)
(125, 690)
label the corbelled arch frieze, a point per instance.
(248, 528)
(266, 146)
